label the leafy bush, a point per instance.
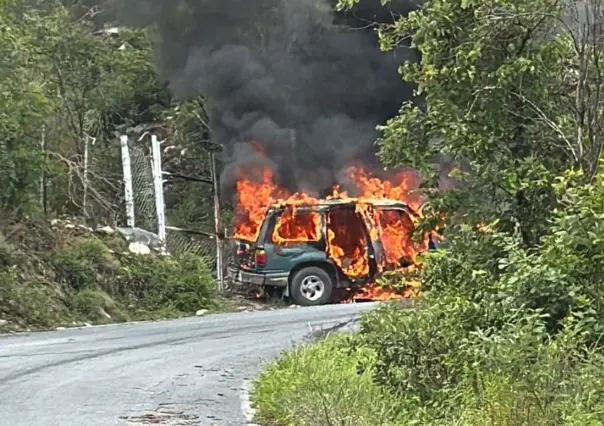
(319, 386)
(504, 335)
(85, 280)
(523, 380)
(29, 302)
(6, 253)
(84, 264)
(151, 285)
(184, 283)
(96, 306)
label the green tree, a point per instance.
(101, 82)
(512, 89)
(24, 108)
(81, 86)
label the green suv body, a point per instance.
(304, 271)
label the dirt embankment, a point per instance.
(64, 273)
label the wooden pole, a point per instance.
(215, 190)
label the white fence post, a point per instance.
(158, 181)
(128, 192)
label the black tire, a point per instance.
(311, 286)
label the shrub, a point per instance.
(85, 264)
(524, 381)
(96, 306)
(6, 253)
(184, 284)
(29, 302)
(318, 385)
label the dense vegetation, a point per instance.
(509, 328)
(66, 274)
(67, 91)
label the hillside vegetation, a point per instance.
(67, 274)
(508, 331)
(67, 91)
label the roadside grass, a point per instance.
(404, 368)
(324, 384)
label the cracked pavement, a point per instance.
(175, 373)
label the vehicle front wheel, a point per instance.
(311, 286)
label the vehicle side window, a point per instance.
(294, 226)
(396, 228)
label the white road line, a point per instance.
(246, 405)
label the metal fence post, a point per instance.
(127, 170)
(159, 189)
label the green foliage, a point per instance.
(86, 281)
(496, 92)
(66, 89)
(70, 87)
(81, 265)
(429, 366)
(23, 109)
(96, 306)
(29, 302)
(180, 285)
(184, 284)
(509, 328)
(6, 253)
(319, 386)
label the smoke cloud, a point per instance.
(305, 83)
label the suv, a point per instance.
(311, 250)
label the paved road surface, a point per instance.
(175, 373)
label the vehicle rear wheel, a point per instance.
(311, 286)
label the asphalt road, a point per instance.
(195, 371)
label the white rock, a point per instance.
(60, 328)
(3, 322)
(106, 230)
(201, 312)
(103, 313)
(139, 248)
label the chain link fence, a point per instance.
(188, 199)
(145, 211)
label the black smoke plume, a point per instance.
(305, 83)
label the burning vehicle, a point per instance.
(312, 248)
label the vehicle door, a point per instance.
(294, 235)
(391, 230)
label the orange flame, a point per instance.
(347, 244)
(294, 228)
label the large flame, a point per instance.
(347, 244)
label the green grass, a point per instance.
(320, 385)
